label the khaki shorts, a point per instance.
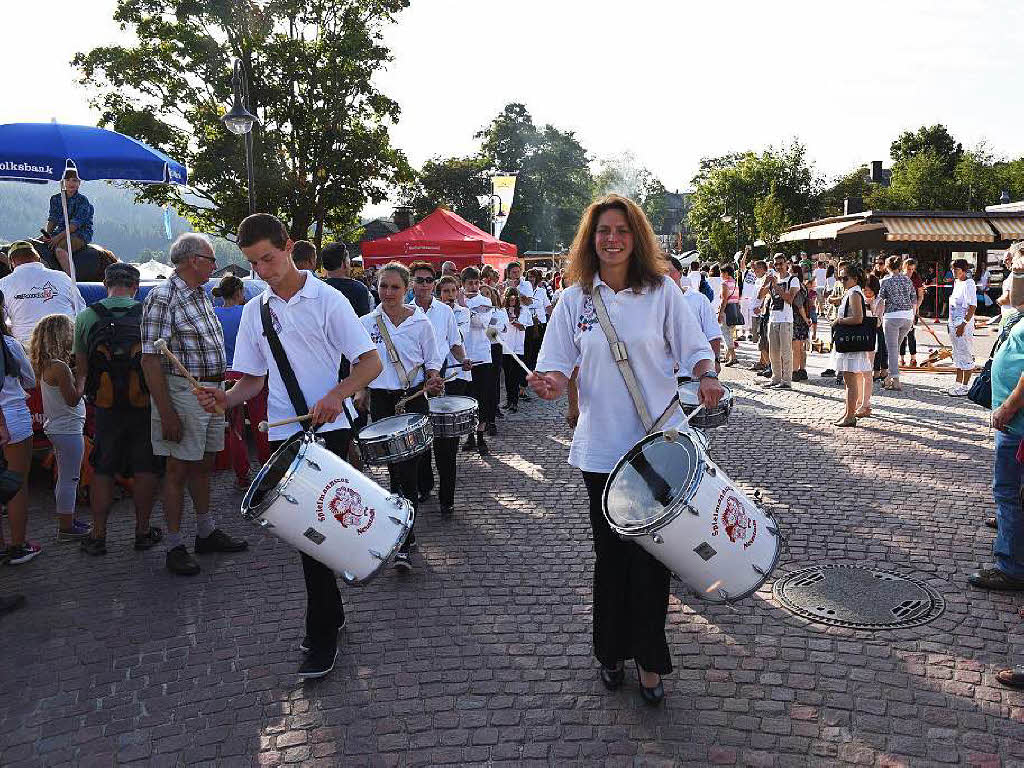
(201, 432)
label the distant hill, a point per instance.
(133, 231)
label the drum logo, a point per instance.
(346, 505)
(735, 521)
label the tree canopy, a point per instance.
(322, 145)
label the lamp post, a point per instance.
(491, 197)
(728, 219)
(239, 120)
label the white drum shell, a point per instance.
(718, 542)
(327, 509)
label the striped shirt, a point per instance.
(184, 317)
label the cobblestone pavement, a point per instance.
(482, 654)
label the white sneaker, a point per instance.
(957, 391)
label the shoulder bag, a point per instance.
(855, 338)
(980, 392)
(733, 313)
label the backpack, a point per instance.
(114, 348)
(705, 288)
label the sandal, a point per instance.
(864, 414)
(1012, 678)
(850, 422)
(149, 539)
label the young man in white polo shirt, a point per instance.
(449, 344)
(316, 326)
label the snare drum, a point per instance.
(452, 415)
(395, 439)
(324, 507)
(708, 417)
(668, 496)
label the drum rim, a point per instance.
(672, 511)
(417, 422)
(726, 401)
(253, 514)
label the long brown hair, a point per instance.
(52, 339)
(647, 264)
(512, 298)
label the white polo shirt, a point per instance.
(660, 331)
(541, 302)
(462, 316)
(784, 315)
(477, 345)
(316, 327)
(525, 288)
(701, 307)
(446, 329)
(32, 291)
(414, 343)
(515, 337)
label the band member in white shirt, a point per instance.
(419, 362)
(616, 253)
(316, 326)
(515, 336)
(449, 343)
(478, 347)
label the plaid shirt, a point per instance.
(184, 317)
(79, 213)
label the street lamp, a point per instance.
(728, 219)
(491, 206)
(239, 120)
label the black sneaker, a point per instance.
(149, 539)
(470, 443)
(827, 372)
(218, 541)
(402, 562)
(318, 664)
(306, 645)
(993, 578)
(447, 509)
(498, 414)
(766, 373)
(424, 495)
(492, 429)
(11, 603)
(524, 396)
(481, 447)
(181, 562)
(92, 546)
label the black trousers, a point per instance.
(483, 390)
(532, 346)
(514, 378)
(630, 594)
(325, 612)
(496, 355)
(446, 449)
(911, 341)
(404, 475)
(881, 354)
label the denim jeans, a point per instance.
(1008, 546)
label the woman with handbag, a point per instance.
(730, 316)
(855, 366)
(619, 289)
(801, 325)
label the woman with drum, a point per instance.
(408, 351)
(615, 262)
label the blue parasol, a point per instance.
(42, 152)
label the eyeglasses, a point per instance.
(423, 280)
(204, 256)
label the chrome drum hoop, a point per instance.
(253, 508)
(452, 421)
(397, 446)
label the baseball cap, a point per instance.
(21, 245)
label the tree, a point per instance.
(934, 139)
(919, 182)
(856, 183)
(455, 183)
(322, 147)
(623, 173)
(770, 218)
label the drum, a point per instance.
(669, 497)
(452, 415)
(708, 417)
(324, 507)
(395, 439)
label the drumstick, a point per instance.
(266, 425)
(493, 335)
(694, 412)
(160, 345)
(401, 403)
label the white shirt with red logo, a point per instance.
(32, 291)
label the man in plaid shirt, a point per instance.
(179, 312)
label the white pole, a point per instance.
(67, 231)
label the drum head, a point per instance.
(688, 394)
(392, 425)
(272, 477)
(651, 478)
(451, 404)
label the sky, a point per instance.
(670, 80)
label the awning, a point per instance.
(818, 231)
(1009, 228)
(938, 229)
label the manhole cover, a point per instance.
(857, 597)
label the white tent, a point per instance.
(153, 270)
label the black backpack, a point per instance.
(114, 347)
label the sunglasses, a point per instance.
(423, 280)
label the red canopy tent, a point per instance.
(441, 236)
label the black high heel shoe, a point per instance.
(653, 696)
(612, 678)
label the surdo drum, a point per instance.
(668, 496)
(395, 439)
(708, 417)
(452, 415)
(324, 507)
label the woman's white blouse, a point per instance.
(478, 346)
(414, 342)
(660, 332)
(462, 321)
(516, 337)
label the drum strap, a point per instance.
(621, 358)
(283, 366)
(404, 377)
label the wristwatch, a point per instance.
(708, 375)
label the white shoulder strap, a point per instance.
(403, 376)
(621, 358)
